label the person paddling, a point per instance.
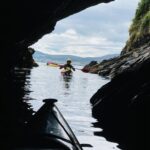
(67, 68)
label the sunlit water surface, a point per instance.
(73, 101)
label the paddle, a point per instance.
(52, 64)
(83, 70)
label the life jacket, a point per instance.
(68, 68)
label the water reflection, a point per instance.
(67, 81)
(73, 96)
(22, 94)
(15, 112)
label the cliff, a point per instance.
(136, 49)
(121, 106)
(139, 31)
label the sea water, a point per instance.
(73, 95)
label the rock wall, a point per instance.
(121, 106)
(139, 32)
(136, 49)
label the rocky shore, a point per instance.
(25, 58)
(121, 106)
(125, 62)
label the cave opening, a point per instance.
(77, 36)
(88, 36)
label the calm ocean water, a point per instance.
(73, 96)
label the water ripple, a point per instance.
(73, 101)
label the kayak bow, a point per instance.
(49, 129)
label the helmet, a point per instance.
(69, 60)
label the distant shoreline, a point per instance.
(42, 57)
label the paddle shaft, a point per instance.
(58, 65)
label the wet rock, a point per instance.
(26, 58)
(122, 105)
(118, 65)
(91, 67)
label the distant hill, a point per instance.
(42, 57)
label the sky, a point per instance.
(94, 32)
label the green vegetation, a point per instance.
(141, 23)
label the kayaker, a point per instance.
(67, 68)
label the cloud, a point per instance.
(73, 43)
(96, 31)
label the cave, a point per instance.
(22, 24)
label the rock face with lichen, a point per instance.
(137, 48)
(121, 106)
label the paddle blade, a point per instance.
(52, 64)
(85, 70)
